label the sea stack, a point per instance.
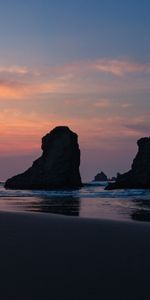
(139, 175)
(100, 177)
(58, 167)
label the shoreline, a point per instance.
(46, 256)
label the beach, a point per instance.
(44, 256)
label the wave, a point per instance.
(92, 200)
(96, 183)
(89, 190)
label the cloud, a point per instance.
(117, 67)
(140, 127)
(126, 105)
(103, 103)
(120, 67)
(11, 89)
(17, 82)
(20, 70)
(21, 131)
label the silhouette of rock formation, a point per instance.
(139, 175)
(100, 177)
(58, 167)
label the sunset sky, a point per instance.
(81, 63)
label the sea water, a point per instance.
(90, 201)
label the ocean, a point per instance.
(91, 201)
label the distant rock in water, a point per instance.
(100, 177)
(139, 175)
(58, 167)
(112, 178)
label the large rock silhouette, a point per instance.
(58, 167)
(139, 175)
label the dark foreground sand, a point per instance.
(52, 257)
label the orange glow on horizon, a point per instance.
(22, 133)
(86, 103)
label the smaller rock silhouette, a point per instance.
(100, 177)
(139, 175)
(58, 167)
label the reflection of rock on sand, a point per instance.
(68, 206)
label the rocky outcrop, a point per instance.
(58, 167)
(100, 177)
(139, 175)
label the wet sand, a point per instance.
(45, 256)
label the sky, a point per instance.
(84, 64)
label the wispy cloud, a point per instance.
(21, 132)
(139, 125)
(11, 89)
(117, 67)
(78, 77)
(21, 70)
(120, 67)
(97, 107)
(103, 103)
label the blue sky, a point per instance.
(83, 63)
(35, 31)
